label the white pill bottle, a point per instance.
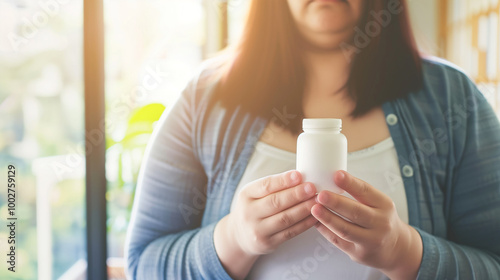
(321, 150)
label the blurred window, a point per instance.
(42, 135)
(152, 49)
(472, 30)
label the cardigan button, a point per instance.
(407, 171)
(391, 119)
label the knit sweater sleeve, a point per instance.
(165, 239)
(472, 248)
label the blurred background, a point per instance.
(152, 48)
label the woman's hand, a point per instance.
(376, 236)
(268, 211)
(271, 210)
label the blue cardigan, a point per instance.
(447, 138)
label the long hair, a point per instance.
(264, 72)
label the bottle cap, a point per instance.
(321, 123)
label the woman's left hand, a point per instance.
(376, 236)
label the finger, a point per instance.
(293, 231)
(287, 218)
(282, 200)
(355, 211)
(361, 190)
(273, 183)
(340, 243)
(342, 228)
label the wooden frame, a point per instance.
(93, 53)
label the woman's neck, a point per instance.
(327, 72)
(325, 93)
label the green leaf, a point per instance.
(149, 114)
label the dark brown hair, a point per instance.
(264, 71)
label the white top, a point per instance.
(309, 255)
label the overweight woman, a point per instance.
(218, 196)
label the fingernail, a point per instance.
(308, 189)
(294, 176)
(341, 175)
(319, 212)
(324, 199)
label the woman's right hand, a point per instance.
(271, 210)
(267, 212)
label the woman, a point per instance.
(218, 197)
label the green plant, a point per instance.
(128, 151)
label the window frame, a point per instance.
(95, 174)
(94, 95)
